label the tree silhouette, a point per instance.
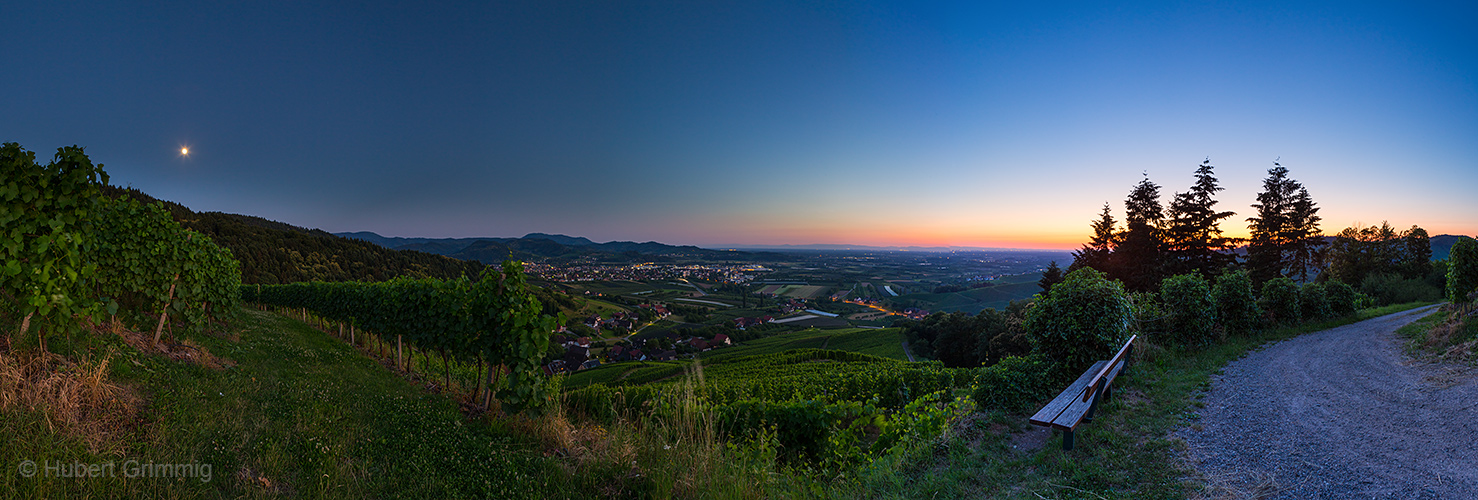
(1194, 238)
(1285, 238)
(1140, 255)
(1052, 276)
(1302, 237)
(1096, 253)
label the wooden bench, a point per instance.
(1077, 403)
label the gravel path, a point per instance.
(1339, 414)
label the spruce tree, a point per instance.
(1140, 255)
(1194, 233)
(1266, 246)
(1052, 276)
(1286, 239)
(1096, 253)
(1303, 238)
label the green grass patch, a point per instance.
(301, 414)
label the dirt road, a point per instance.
(1339, 414)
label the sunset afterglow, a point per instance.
(971, 124)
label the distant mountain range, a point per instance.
(539, 246)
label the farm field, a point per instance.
(973, 300)
(883, 342)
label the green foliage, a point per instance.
(46, 217)
(1013, 383)
(1358, 252)
(496, 320)
(1236, 307)
(1391, 288)
(1313, 302)
(148, 263)
(1343, 300)
(1462, 272)
(1083, 319)
(1280, 300)
(1190, 312)
(69, 246)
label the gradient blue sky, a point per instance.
(971, 124)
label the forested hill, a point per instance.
(548, 247)
(273, 252)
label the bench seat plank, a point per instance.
(1073, 393)
(1071, 416)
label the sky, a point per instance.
(718, 124)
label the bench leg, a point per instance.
(1097, 393)
(1067, 440)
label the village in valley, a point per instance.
(658, 312)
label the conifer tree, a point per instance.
(1286, 239)
(1096, 253)
(1302, 237)
(1194, 234)
(1140, 255)
(1052, 276)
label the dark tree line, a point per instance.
(1156, 241)
(964, 340)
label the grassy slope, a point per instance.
(1127, 452)
(302, 410)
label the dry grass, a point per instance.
(1258, 486)
(187, 350)
(1448, 339)
(76, 397)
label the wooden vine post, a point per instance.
(165, 315)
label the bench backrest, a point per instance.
(1103, 372)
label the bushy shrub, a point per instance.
(1313, 301)
(1013, 383)
(1083, 319)
(1391, 288)
(1343, 300)
(1190, 314)
(1462, 270)
(1280, 300)
(1236, 307)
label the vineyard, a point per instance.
(495, 322)
(72, 253)
(836, 407)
